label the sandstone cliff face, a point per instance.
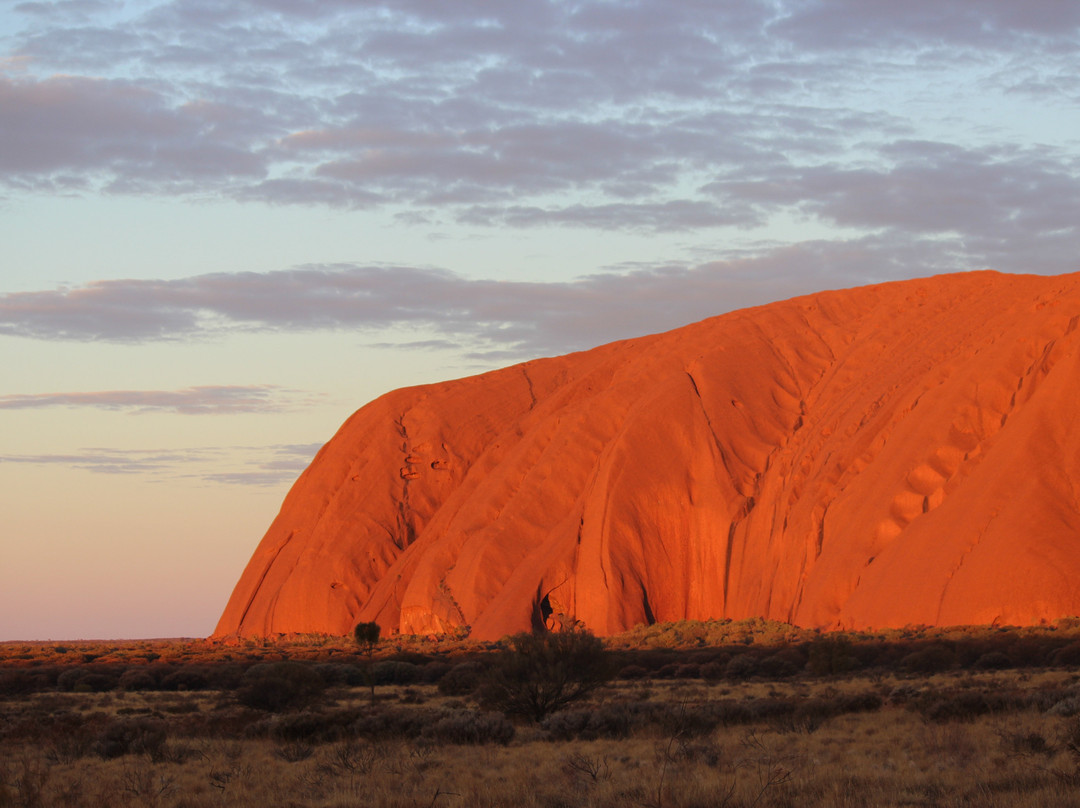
(894, 454)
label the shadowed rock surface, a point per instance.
(894, 454)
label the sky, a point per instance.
(227, 224)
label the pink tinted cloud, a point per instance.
(511, 318)
(237, 465)
(119, 129)
(205, 400)
(450, 106)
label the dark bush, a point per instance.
(691, 723)
(433, 672)
(312, 727)
(544, 672)
(865, 702)
(1029, 652)
(713, 671)
(395, 723)
(606, 721)
(87, 680)
(470, 727)
(356, 675)
(16, 683)
(754, 711)
(278, 686)
(831, 655)
(96, 683)
(137, 679)
(777, 666)
(69, 678)
(813, 711)
(963, 705)
(633, 672)
(462, 679)
(393, 672)
(1068, 656)
(132, 736)
(413, 658)
(1025, 743)
(1070, 739)
(333, 673)
(186, 678)
(1067, 706)
(742, 666)
(932, 659)
(994, 660)
(223, 676)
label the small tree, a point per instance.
(544, 672)
(367, 637)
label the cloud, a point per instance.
(511, 318)
(597, 115)
(997, 24)
(63, 9)
(671, 216)
(103, 461)
(127, 133)
(237, 465)
(1011, 206)
(209, 400)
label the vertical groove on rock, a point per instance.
(257, 588)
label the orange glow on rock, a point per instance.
(907, 453)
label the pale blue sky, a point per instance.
(226, 225)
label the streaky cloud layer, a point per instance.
(205, 400)
(270, 465)
(512, 318)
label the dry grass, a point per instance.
(907, 752)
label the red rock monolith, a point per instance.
(894, 454)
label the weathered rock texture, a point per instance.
(894, 454)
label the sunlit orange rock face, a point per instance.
(894, 454)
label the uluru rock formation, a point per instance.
(894, 454)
